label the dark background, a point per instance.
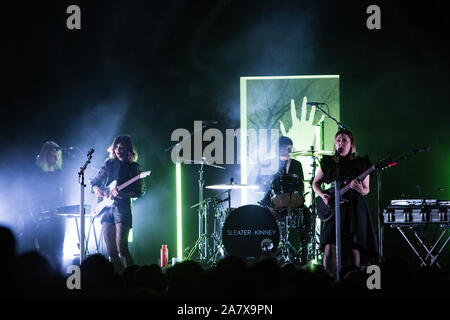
(145, 68)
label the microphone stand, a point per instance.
(337, 204)
(329, 116)
(313, 204)
(82, 186)
(379, 213)
(380, 218)
(202, 216)
(337, 196)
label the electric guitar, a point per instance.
(108, 200)
(325, 211)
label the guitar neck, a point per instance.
(360, 177)
(126, 184)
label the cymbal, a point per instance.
(231, 186)
(310, 153)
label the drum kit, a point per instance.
(256, 231)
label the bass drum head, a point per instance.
(250, 232)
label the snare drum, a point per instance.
(287, 191)
(251, 232)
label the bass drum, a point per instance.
(251, 232)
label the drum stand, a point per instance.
(216, 237)
(209, 245)
(286, 247)
(313, 207)
(218, 247)
(202, 242)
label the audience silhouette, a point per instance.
(30, 276)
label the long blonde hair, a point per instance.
(42, 158)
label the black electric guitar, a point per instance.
(326, 211)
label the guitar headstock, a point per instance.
(144, 174)
(385, 163)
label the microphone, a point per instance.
(315, 103)
(339, 151)
(91, 151)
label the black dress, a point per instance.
(356, 225)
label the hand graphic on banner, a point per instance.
(302, 131)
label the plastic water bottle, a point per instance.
(164, 256)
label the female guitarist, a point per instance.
(358, 241)
(117, 219)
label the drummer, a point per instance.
(293, 169)
(287, 166)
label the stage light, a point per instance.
(243, 153)
(313, 264)
(130, 236)
(71, 247)
(179, 212)
(71, 240)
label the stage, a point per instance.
(205, 90)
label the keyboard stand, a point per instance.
(429, 259)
